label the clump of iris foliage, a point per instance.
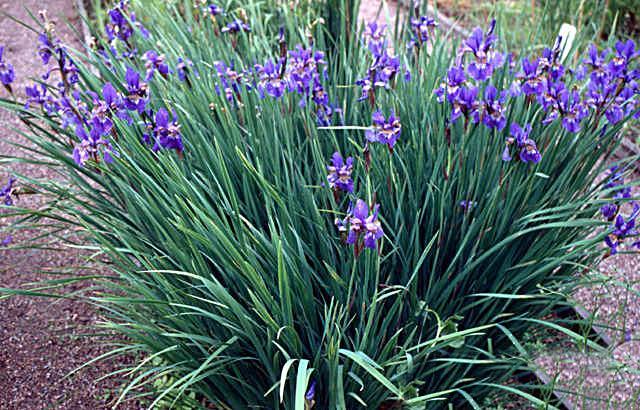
(301, 212)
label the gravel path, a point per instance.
(40, 338)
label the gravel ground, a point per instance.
(40, 339)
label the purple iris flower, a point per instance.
(609, 211)
(625, 52)
(7, 74)
(230, 80)
(596, 64)
(550, 62)
(6, 193)
(303, 68)
(339, 177)
(362, 223)
(6, 241)
(166, 133)
(36, 94)
(118, 26)
(136, 98)
(467, 205)
(531, 76)
(527, 146)
(236, 26)
(422, 28)
(450, 88)
(115, 103)
(311, 392)
(215, 10)
(385, 131)
(485, 60)
(45, 49)
(573, 110)
(622, 229)
(374, 37)
(491, 110)
(91, 145)
(184, 67)
(155, 62)
(270, 81)
(464, 103)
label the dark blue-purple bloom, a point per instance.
(339, 177)
(385, 131)
(311, 392)
(118, 26)
(422, 27)
(92, 145)
(215, 10)
(450, 88)
(165, 132)
(623, 228)
(365, 224)
(153, 63)
(625, 53)
(270, 80)
(531, 77)
(6, 193)
(609, 211)
(6, 241)
(491, 110)
(303, 68)
(467, 205)
(527, 146)
(464, 102)
(230, 80)
(485, 60)
(46, 47)
(183, 68)
(114, 102)
(7, 74)
(374, 37)
(236, 26)
(136, 98)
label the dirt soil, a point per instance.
(40, 338)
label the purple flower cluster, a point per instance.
(622, 229)
(384, 130)
(613, 83)
(340, 170)
(491, 110)
(461, 87)
(164, 133)
(136, 98)
(527, 147)
(7, 74)
(422, 28)
(363, 226)
(615, 184)
(299, 71)
(384, 68)
(122, 24)
(611, 92)
(230, 81)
